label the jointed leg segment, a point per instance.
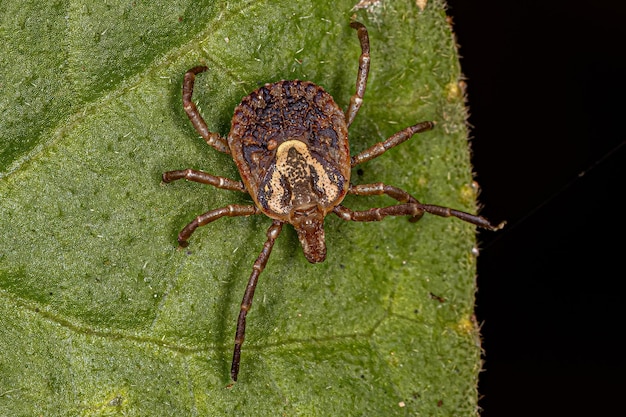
(377, 214)
(364, 68)
(212, 138)
(204, 178)
(467, 217)
(410, 207)
(394, 192)
(246, 302)
(394, 140)
(231, 210)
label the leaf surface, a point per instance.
(102, 315)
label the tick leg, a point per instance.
(377, 214)
(364, 68)
(410, 207)
(466, 217)
(204, 178)
(394, 192)
(396, 139)
(230, 210)
(246, 303)
(212, 138)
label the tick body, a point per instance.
(289, 140)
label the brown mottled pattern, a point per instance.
(281, 112)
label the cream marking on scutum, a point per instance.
(299, 179)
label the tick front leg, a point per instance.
(396, 139)
(246, 303)
(231, 210)
(364, 68)
(204, 178)
(211, 138)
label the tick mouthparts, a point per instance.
(312, 239)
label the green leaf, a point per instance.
(100, 314)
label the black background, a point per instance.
(547, 98)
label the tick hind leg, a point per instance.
(246, 302)
(211, 138)
(410, 207)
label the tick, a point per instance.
(289, 140)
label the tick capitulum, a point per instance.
(289, 140)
